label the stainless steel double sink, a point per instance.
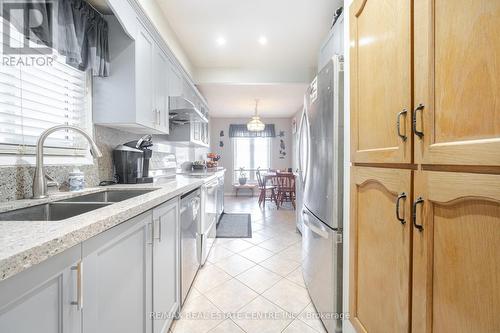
(66, 208)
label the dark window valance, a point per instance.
(241, 131)
(73, 28)
(83, 37)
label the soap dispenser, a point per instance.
(76, 180)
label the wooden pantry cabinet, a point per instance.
(457, 85)
(455, 118)
(380, 249)
(380, 62)
(426, 261)
(435, 137)
(456, 253)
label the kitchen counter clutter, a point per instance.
(202, 172)
(24, 244)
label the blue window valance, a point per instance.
(241, 131)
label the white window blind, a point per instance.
(34, 98)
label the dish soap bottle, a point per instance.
(76, 180)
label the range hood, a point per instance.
(183, 111)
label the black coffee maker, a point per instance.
(131, 161)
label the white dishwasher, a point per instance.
(190, 221)
(208, 225)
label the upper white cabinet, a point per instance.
(135, 95)
(161, 89)
(146, 113)
(194, 133)
(175, 82)
(143, 75)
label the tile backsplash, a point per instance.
(16, 181)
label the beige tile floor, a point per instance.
(252, 285)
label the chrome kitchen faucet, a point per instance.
(40, 178)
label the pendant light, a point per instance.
(255, 124)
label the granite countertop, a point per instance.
(27, 243)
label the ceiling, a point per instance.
(238, 100)
(294, 30)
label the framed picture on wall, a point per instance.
(294, 125)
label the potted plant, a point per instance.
(243, 177)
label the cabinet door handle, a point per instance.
(418, 133)
(159, 230)
(419, 200)
(157, 116)
(149, 234)
(156, 223)
(400, 197)
(398, 124)
(79, 293)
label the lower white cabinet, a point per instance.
(166, 277)
(131, 274)
(45, 297)
(117, 278)
(124, 280)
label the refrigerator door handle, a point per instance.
(304, 122)
(315, 227)
(301, 126)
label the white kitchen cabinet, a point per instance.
(144, 73)
(146, 113)
(131, 277)
(135, 95)
(166, 269)
(194, 133)
(175, 82)
(117, 278)
(125, 279)
(200, 134)
(161, 88)
(333, 44)
(45, 297)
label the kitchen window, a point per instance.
(251, 154)
(34, 98)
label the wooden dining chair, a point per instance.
(286, 188)
(266, 192)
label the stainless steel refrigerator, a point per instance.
(323, 193)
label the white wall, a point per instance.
(155, 13)
(347, 326)
(218, 124)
